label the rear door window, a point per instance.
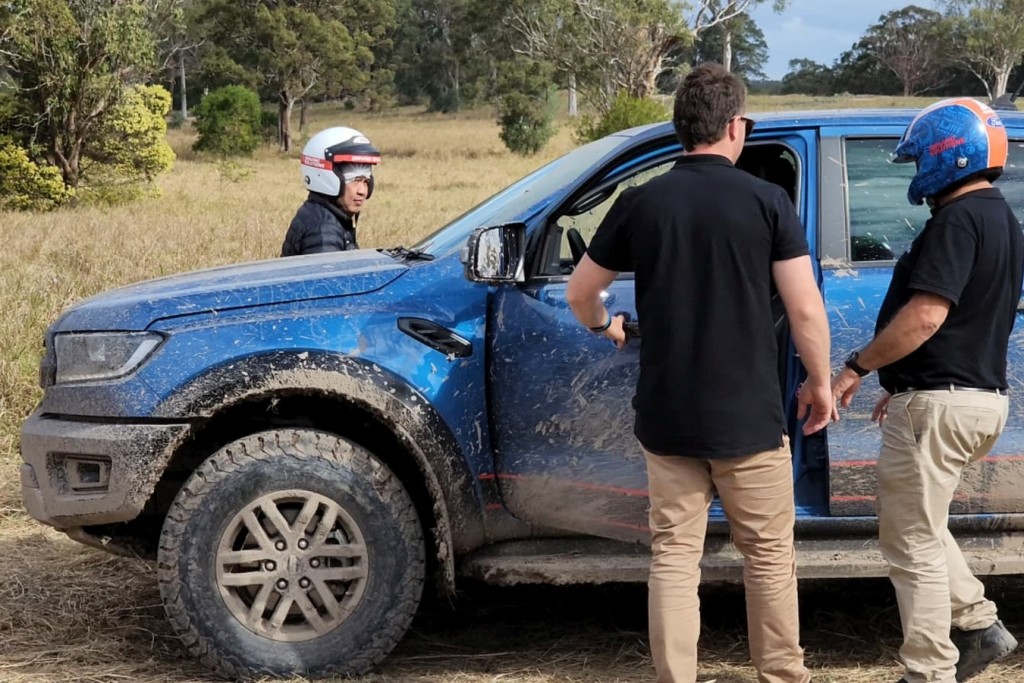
(883, 222)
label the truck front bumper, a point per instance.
(78, 473)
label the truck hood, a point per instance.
(259, 283)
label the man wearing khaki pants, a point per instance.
(706, 241)
(940, 351)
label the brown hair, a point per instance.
(706, 99)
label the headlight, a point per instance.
(85, 356)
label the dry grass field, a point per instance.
(68, 613)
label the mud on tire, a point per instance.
(291, 552)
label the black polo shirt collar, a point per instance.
(704, 160)
(983, 193)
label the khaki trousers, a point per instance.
(757, 494)
(927, 440)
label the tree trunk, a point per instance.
(303, 118)
(184, 90)
(647, 84)
(285, 104)
(574, 110)
(1002, 81)
(68, 165)
(726, 46)
(63, 149)
(457, 95)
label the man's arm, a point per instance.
(794, 279)
(808, 324)
(913, 325)
(587, 282)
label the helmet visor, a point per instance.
(352, 172)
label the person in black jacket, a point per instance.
(337, 168)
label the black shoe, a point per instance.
(981, 647)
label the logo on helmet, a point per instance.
(994, 121)
(945, 145)
(323, 164)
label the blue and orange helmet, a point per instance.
(952, 141)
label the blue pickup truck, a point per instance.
(302, 444)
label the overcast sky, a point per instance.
(817, 29)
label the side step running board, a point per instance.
(595, 561)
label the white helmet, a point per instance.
(328, 151)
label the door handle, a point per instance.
(629, 326)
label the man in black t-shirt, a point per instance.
(706, 241)
(940, 351)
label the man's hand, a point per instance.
(845, 386)
(881, 411)
(616, 332)
(815, 402)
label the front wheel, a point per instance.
(291, 552)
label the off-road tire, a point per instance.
(328, 468)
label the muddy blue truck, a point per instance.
(304, 444)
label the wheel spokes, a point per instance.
(256, 530)
(276, 519)
(341, 573)
(292, 565)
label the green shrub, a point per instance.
(625, 112)
(231, 171)
(26, 185)
(268, 126)
(131, 148)
(176, 120)
(525, 123)
(230, 122)
(134, 136)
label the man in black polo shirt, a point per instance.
(940, 351)
(706, 240)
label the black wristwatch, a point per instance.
(851, 362)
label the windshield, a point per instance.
(523, 199)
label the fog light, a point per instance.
(87, 474)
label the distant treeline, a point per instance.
(68, 68)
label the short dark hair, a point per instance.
(706, 99)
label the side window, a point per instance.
(1011, 183)
(593, 211)
(572, 231)
(882, 222)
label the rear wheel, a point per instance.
(291, 552)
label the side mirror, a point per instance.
(496, 255)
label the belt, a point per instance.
(948, 387)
